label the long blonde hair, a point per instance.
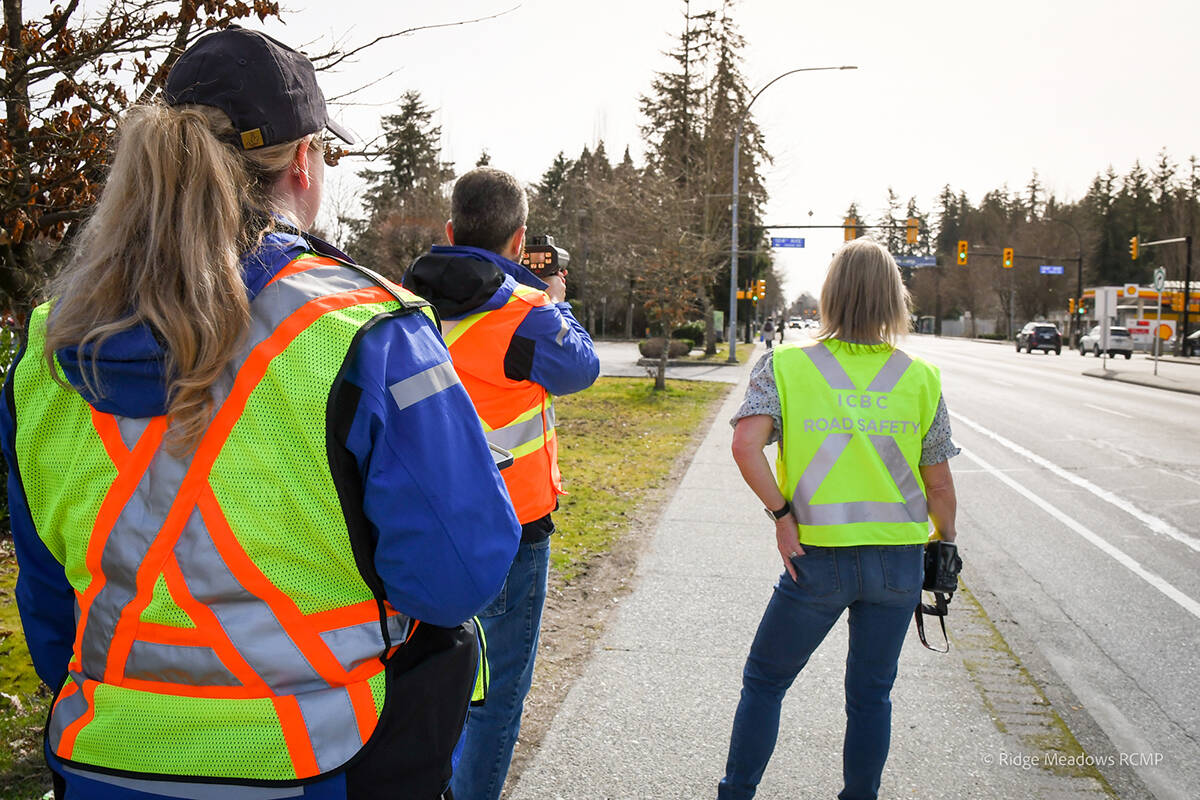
(162, 249)
(864, 299)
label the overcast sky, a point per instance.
(975, 95)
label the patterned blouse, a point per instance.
(762, 397)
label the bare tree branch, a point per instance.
(332, 59)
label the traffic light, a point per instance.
(911, 229)
(1133, 247)
(962, 253)
(1070, 305)
(850, 229)
(1082, 308)
(761, 289)
(1008, 258)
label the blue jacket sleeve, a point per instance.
(445, 528)
(564, 358)
(45, 598)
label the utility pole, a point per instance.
(733, 247)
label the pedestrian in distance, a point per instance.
(515, 344)
(768, 332)
(782, 326)
(251, 502)
(862, 472)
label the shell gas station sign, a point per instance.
(1144, 331)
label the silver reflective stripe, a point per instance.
(134, 531)
(190, 791)
(512, 436)
(846, 513)
(818, 469)
(68, 710)
(551, 417)
(284, 297)
(897, 466)
(354, 645)
(424, 384)
(829, 367)
(132, 429)
(172, 663)
(248, 621)
(332, 727)
(891, 372)
(562, 333)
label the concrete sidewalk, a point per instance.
(651, 714)
(1171, 378)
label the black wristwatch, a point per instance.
(781, 513)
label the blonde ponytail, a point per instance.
(162, 249)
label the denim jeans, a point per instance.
(511, 625)
(881, 586)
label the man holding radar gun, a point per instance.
(514, 343)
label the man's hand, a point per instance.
(787, 539)
(557, 288)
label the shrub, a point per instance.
(652, 348)
(692, 330)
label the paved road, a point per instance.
(1079, 502)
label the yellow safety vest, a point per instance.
(224, 629)
(854, 417)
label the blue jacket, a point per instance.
(444, 529)
(550, 347)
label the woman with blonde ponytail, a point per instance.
(251, 502)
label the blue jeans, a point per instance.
(511, 625)
(881, 586)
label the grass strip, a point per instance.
(617, 442)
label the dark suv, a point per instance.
(1042, 336)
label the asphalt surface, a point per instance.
(1071, 673)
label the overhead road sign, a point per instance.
(916, 261)
(1050, 269)
(786, 241)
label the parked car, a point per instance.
(1119, 341)
(1042, 336)
(1191, 345)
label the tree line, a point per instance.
(1161, 202)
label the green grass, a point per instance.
(23, 702)
(617, 442)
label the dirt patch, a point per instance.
(577, 612)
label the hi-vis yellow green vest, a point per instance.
(516, 415)
(223, 628)
(853, 420)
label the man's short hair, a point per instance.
(486, 208)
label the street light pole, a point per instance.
(733, 247)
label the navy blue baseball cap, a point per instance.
(268, 90)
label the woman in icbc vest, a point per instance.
(251, 502)
(861, 474)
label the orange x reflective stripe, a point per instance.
(195, 482)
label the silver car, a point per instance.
(1119, 341)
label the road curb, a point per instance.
(1018, 647)
(1152, 382)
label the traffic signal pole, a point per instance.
(1187, 285)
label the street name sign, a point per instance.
(916, 261)
(1050, 269)
(786, 241)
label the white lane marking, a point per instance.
(1149, 520)
(1109, 410)
(1118, 555)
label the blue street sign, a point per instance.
(786, 242)
(915, 261)
(1050, 269)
